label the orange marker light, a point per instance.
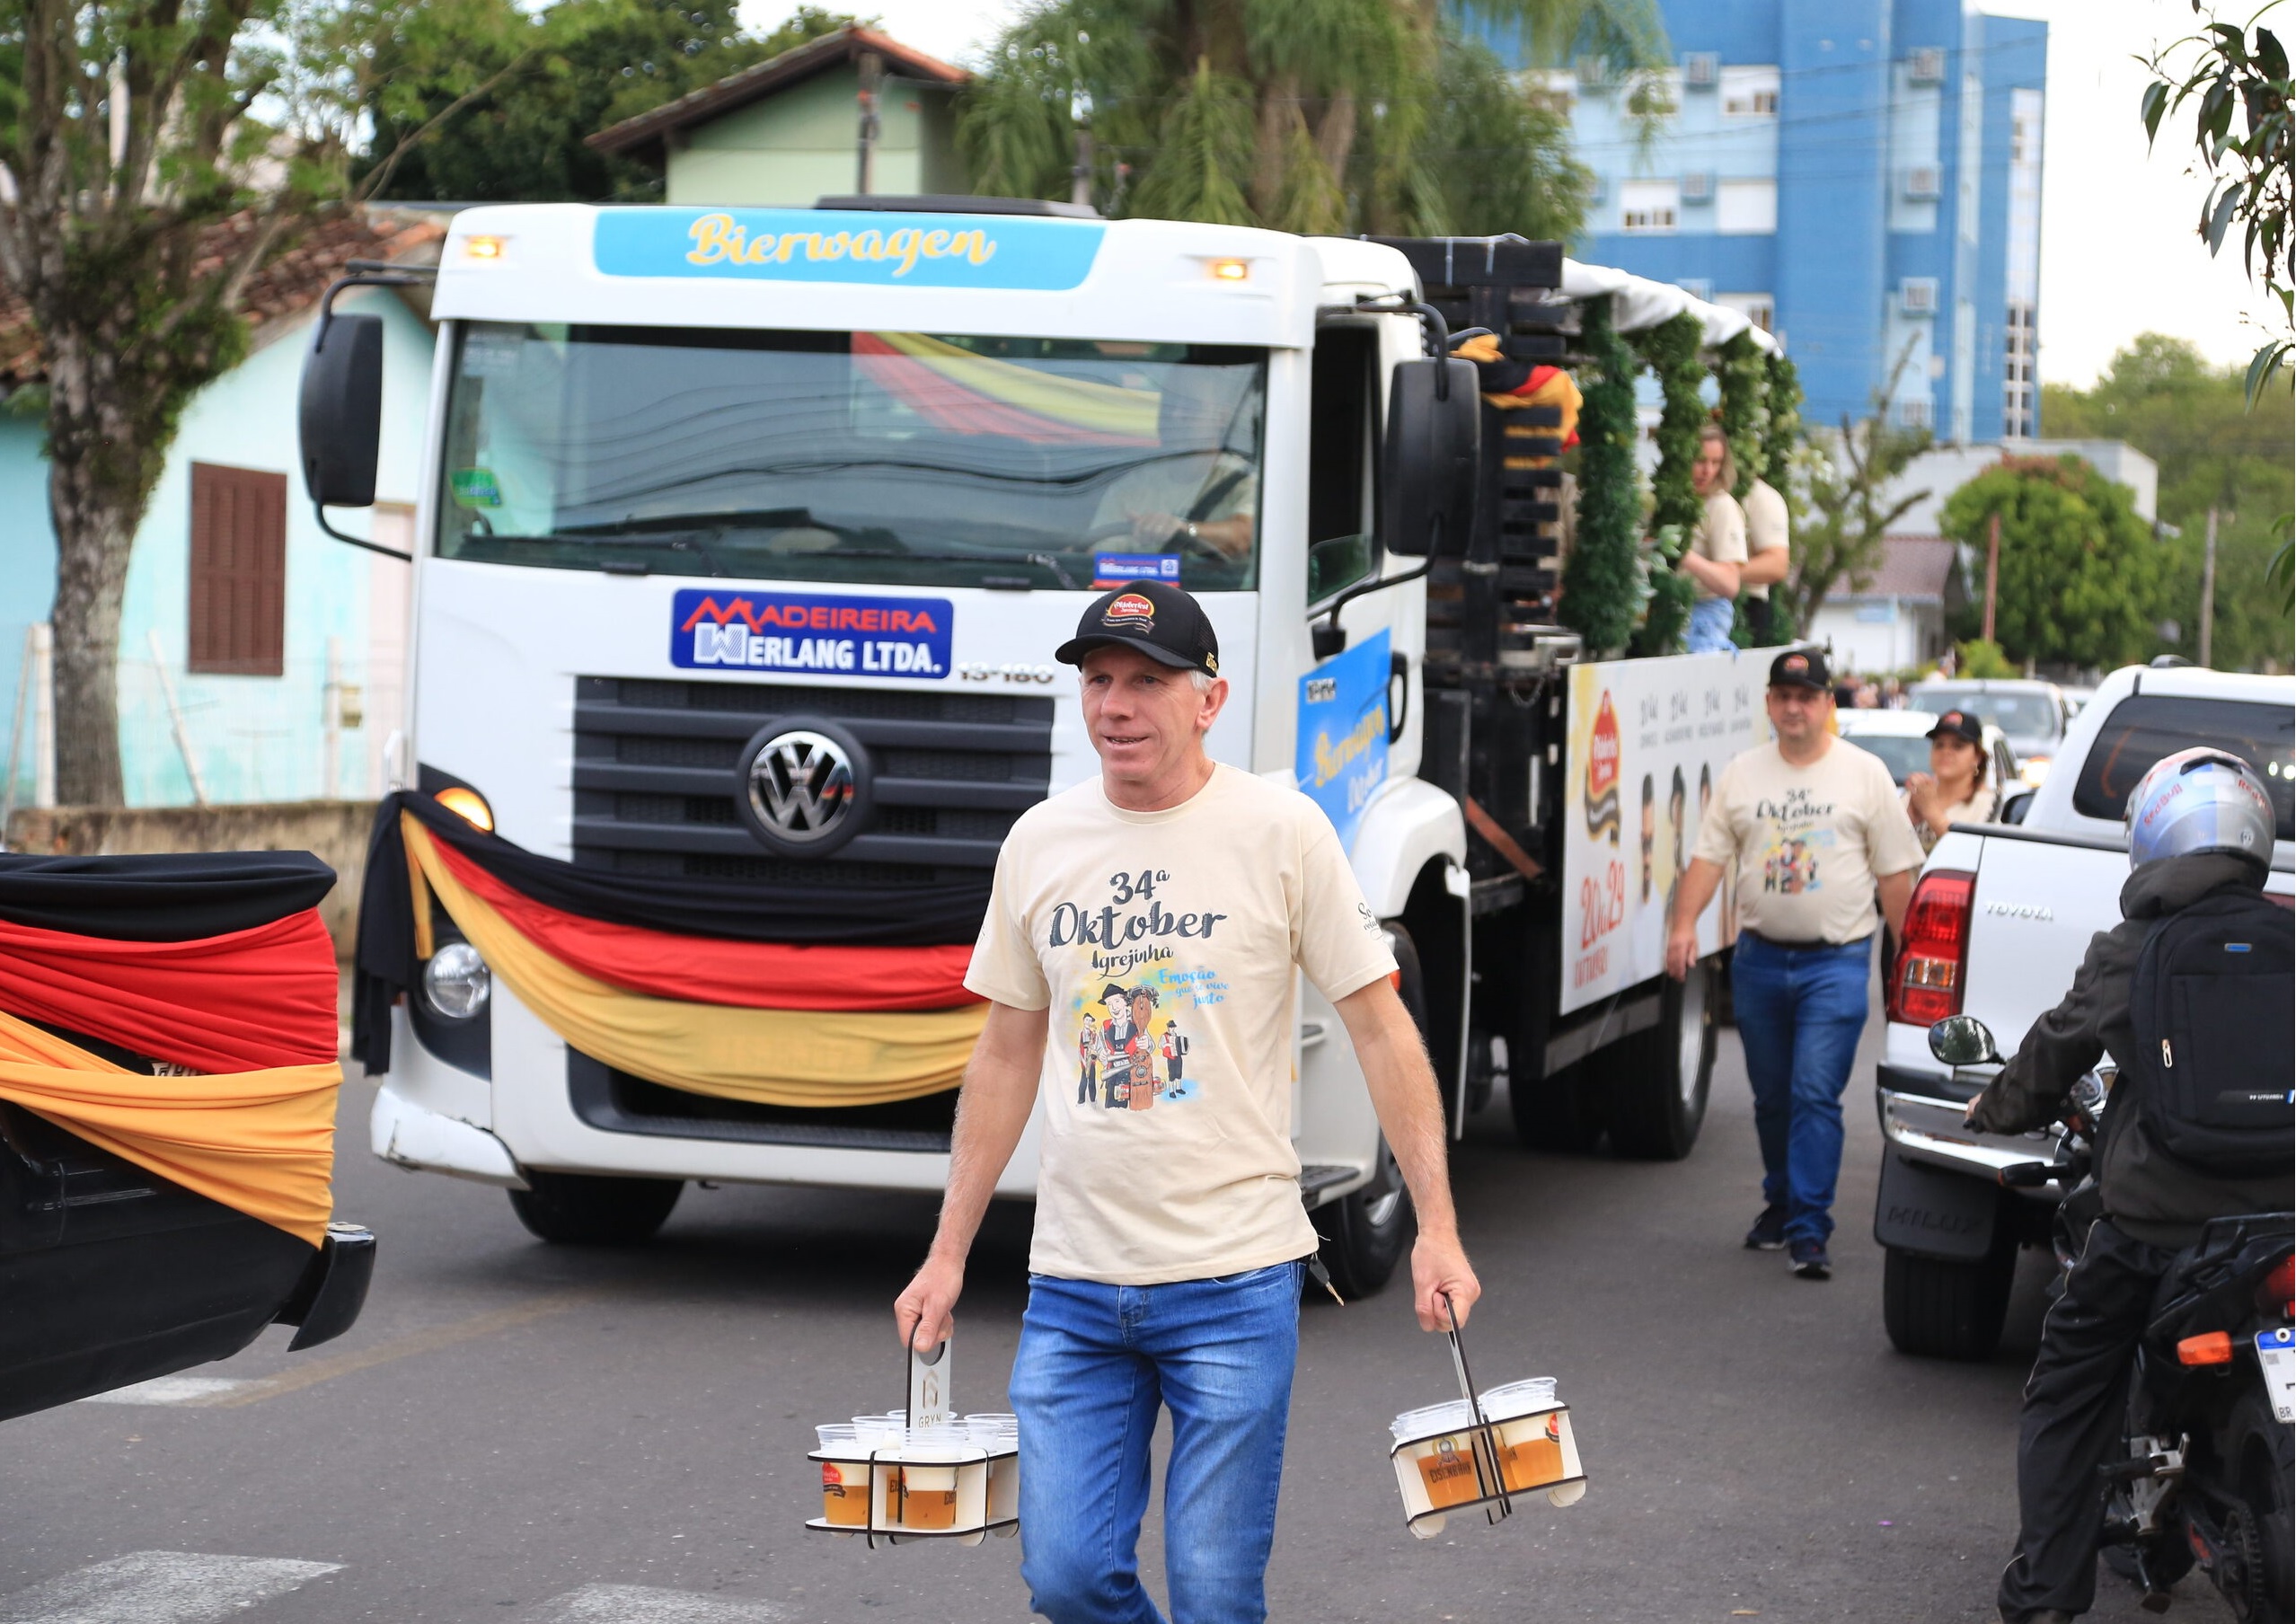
(482, 248)
(2210, 1347)
(1231, 270)
(468, 805)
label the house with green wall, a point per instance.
(787, 131)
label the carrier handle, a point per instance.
(1483, 1428)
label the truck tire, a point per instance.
(1655, 1084)
(1939, 1308)
(1368, 1231)
(581, 1209)
(1563, 1112)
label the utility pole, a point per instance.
(872, 75)
(2208, 593)
(1993, 569)
(1080, 174)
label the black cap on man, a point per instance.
(1155, 617)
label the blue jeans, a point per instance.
(1710, 626)
(1095, 1362)
(1800, 1011)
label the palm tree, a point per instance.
(1388, 116)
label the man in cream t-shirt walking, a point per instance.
(1811, 827)
(1169, 1236)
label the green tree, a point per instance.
(553, 78)
(1303, 115)
(2079, 571)
(2213, 451)
(1840, 487)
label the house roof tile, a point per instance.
(1922, 568)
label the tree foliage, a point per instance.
(557, 76)
(1671, 351)
(1844, 482)
(1303, 115)
(1600, 586)
(2080, 570)
(2190, 417)
(1743, 372)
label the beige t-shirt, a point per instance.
(1808, 841)
(1720, 535)
(1977, 810)
(1164, 943)
(1766, 524)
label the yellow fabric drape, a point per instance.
(1080, 403)
(262, 1143)
(786, 1057)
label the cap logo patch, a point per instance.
(1953, 718)
(1795, 662)
(1130, 609)
(1212, 664)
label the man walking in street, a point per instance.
(1811, 827)
(1169, 1244)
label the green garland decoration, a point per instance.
(1672, 349)
(1783, 400)
(1744, 378)
(1601, 590)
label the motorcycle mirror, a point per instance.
(1962, 1041)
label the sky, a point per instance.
(2119, 254)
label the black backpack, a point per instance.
(2213, 1005)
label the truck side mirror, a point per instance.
(341, 411)
(1961, 1041)
(1435, 424)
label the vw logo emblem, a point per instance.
(801, 786)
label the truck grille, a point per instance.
(656, 768)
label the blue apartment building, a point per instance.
(1863, 177)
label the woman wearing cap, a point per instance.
(1954, 790)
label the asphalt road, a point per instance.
(537, 1436)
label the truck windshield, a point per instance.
(2146, 727)
(905, 458)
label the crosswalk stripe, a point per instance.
(159, 1587)
(170, 1390)
(642, 1604)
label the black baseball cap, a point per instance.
(1155, 617)
(1959, 724)
(1800, 668)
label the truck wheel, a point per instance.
(1559, 1113)
(1656, 1088)
(581, 1209)
(1940, 1308)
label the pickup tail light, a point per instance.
(2210, 1347)
(1933, 963)
(2279, 1288)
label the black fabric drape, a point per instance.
(728, 910)
(171, 897)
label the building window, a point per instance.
(1698, 287)
(1649, 206)
(1750, 92)
(1926, 65)
(1759, 308)
(1746, 207)
(238, 571)
(2017, 348)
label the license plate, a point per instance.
(2276, 1352)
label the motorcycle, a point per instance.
(2208, 1462)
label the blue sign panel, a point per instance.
(880, 250)
(752, 631)
(1343, 733)
(1115, 568)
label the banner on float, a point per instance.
(1648, 741)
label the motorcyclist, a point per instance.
(2201, 823)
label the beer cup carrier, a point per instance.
(982, 1490)
(1492, 1498)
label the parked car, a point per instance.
(2034, 714)
(112, 1271)
(1998, 925)
(1902, 739)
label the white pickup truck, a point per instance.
(2000, 920)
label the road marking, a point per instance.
(310, 1372)
(642, 1604)
(170, 1390)
(159, 1587)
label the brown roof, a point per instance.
(1923, 568)
(643, 136)
(289, 284)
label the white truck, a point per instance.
(747, 538)
(2000, 920)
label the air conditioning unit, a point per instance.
(1594, 72)
(1597, 190)
(1924, 182)
(1926, 65)
(1917, 295)
(1701, 70)
(1698, 188)
(1915, 414)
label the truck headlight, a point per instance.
(456, 981)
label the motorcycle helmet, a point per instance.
(2202, 799)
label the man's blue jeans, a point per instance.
(1711, 620)
(1094, 1363)
(1800, 1011)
